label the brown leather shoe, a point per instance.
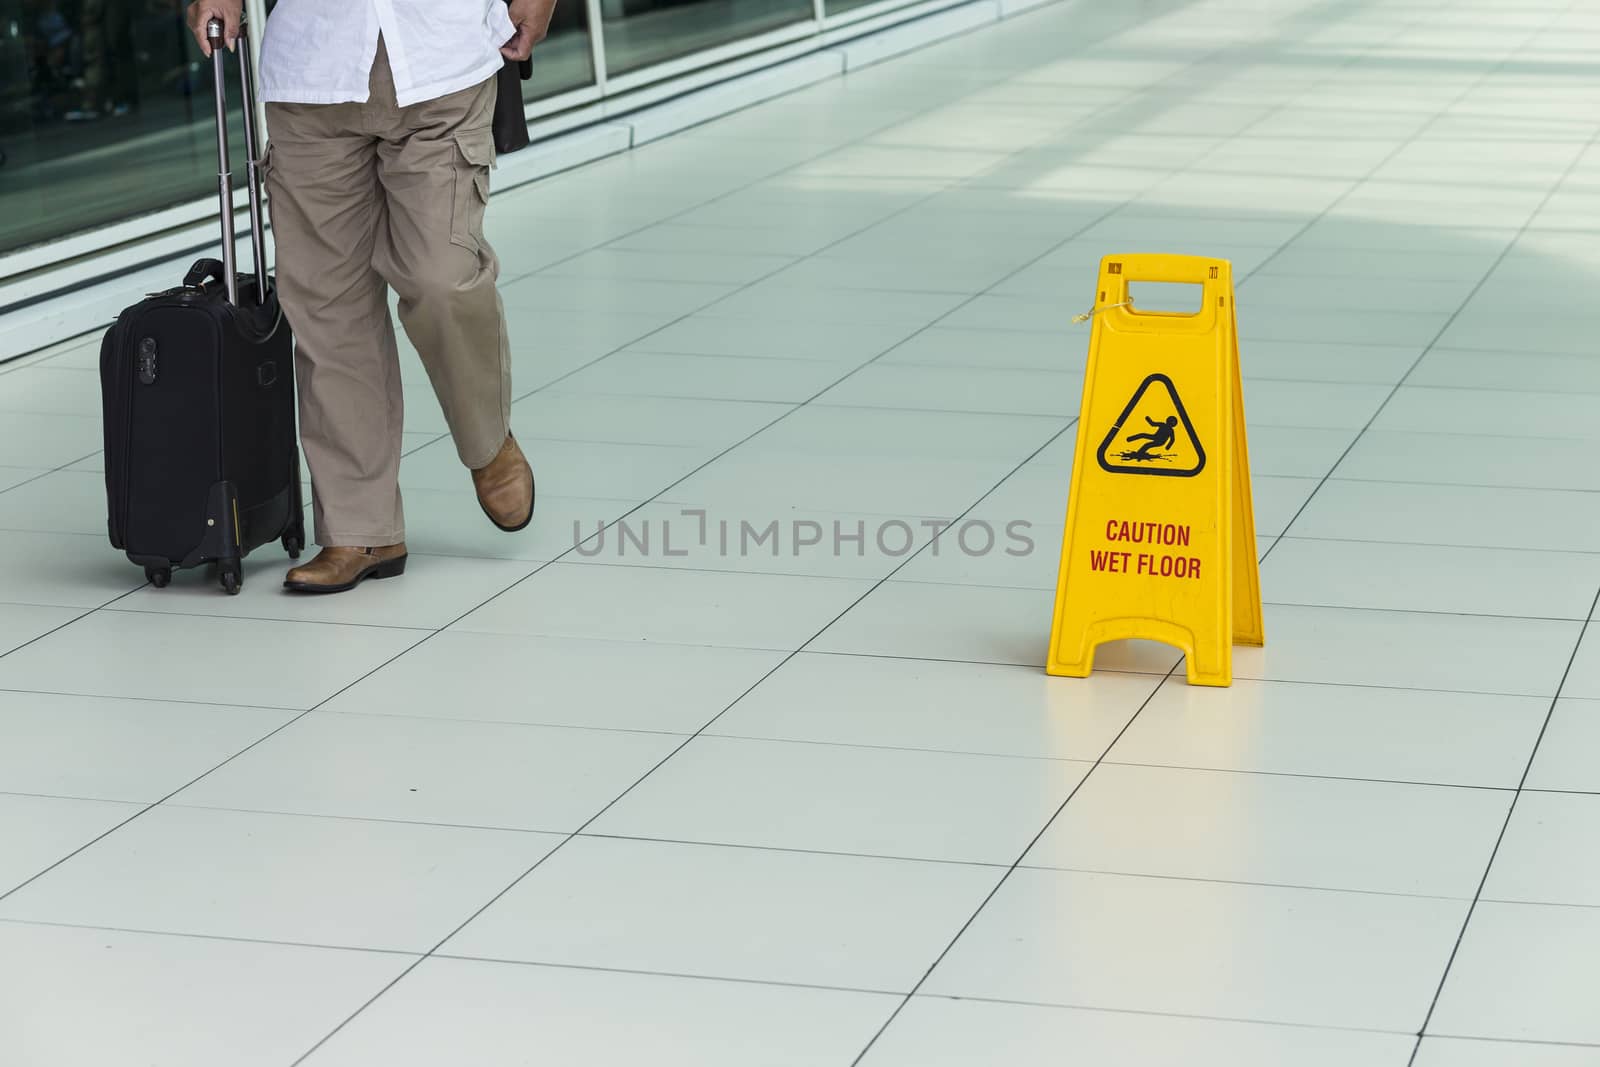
(505, 488)
(337, 569)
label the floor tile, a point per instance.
(1583, 677)
(11, 477)
(1376, 837)
(728, 378)
(664, 266)
(1484, 331)
(108, 654)
(1456, 581)
(557, 681)
(949, 707)
(1470, 460)
(59, 502)
(975, 624)
(1393, 649)
(604, 295)
(940, 346)
(565, 413)
(471, 1012)
(1369, 327)
(1569, 755)
(339, 883)
(500, 775)
(1292, 452)
(41, 831)
(1466, 1052)
(451, 523)
(29, 438)
(1337, 731)
(1322, 405)
(22, 623)
(1453, 515)
(47, 390)
(178, 1001)
(1312, 957)
(1011, 392)
(714, 911)
(771, 611)
(833, 342)
(762, 485)
(1537, 863)
(1278, 502)
(833, 798)
(827, 429)
(1357, 294)
(1319, 361)
(1420, 409)
(1460, 368)
(944, 1032)
(759, 241)
(96, 748)
(1524, 972)
(66, 570)
(565, 468)
(775, 304)
(926, 275)
(1309, 261)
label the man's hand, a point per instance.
(203, 11)
(532, 19)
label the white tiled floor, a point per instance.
(770, 775)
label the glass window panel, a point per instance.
(641, 33)
(106, 110)
(564, 60)
(105, 113)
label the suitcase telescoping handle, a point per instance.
(258, 241)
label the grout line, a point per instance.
(187, 936)
(1505, 828)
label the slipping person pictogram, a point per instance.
(1169, 447)
(1166, 432)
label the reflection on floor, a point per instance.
(772, 777)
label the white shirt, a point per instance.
(321, 51)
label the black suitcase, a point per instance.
(197, 384)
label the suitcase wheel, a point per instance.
(160, 577)
(231, 575)
(292, 545)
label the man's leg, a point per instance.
(434, 165)
(327, 210)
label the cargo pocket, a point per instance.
(474, 157)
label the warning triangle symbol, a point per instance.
(1153, 435)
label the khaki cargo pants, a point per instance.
(365, 198)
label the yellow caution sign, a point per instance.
(1160, 541)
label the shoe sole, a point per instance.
(390, 568)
